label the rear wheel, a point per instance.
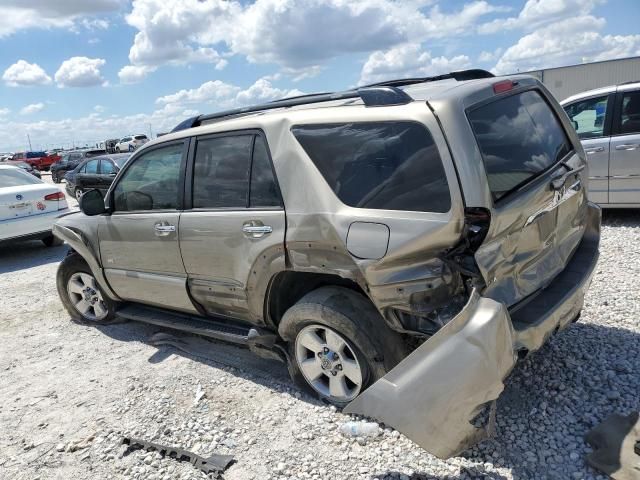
(78, 193)
(54, 177)
(81, 294)
(338, 344)
(117, 149)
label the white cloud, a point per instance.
(134, 74)
(23, 14)
(33, 108)
(485, 56)
(297, 35)
(538, 13)
(80, 72)
(23, 73)
(216, 94)
(571, 41)
(4, 112)
(406, 61)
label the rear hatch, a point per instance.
(536, 181)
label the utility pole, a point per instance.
(29, 138)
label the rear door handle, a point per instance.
(163, 229)
(590, 151)
(256, 231)
(627, 146)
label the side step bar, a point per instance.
(187, 323)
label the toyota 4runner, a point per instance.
(400, 245)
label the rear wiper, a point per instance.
(558, 182)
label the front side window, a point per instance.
(630, 113)
(519, 137)
(588, 116)
(380, 165)
(221, 172)
(151, 182)
(91, 167)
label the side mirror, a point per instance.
(575, 125)
(92, 203)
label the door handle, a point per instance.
(627, 146)
(256, 230)
(589, 151)
(163, 229)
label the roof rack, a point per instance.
(460, 75)
(375, 95)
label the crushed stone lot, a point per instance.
(68, 393)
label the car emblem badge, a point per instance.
(18, 197)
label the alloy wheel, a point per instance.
(329, 363)
(86, 297)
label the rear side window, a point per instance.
(519, 138)
(221, 172)
(379, 165)
(264, 192)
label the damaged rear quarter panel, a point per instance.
(435, 392)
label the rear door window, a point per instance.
(379, 165)
(264, 192)
(588, 116)
(629, 119)
(519, 137)
(91, 167)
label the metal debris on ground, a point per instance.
(614, 443)
(215, 463)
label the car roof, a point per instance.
(602, 91)
(420, 91)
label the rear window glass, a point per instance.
(519, 138)
(379, 165)
(10, 177)
(140, 137)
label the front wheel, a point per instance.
(81, 294)
(54, 177)
(338, 344)
(78, 193)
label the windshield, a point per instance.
(519, 137)
(10, 177)
(120, 160)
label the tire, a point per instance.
(74, 269)
(52, 241)
(117, 149)
(78, 193)
(54, 177)
(369, 344)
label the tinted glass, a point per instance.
(221, 172)
(519, 138)
(107, 167)
(91, 167)
(264, 192)
(382, 165)
(36, 154)
(588, 115)
(140, 137)
(14, 178)
(151, 182)
(630, 121)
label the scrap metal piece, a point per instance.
(615, 446)
(215, 463)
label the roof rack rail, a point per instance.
(371, 96)
(460, 75)
(374, 95)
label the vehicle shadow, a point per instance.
(21, 255)
(237, 360)
(621, 217)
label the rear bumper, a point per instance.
(433, 395)
(17, 228)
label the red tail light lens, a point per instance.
(503, 86)
(54, 196)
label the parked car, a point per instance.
(71, 160)
(26, 167)
(607, 121)
(5, 157)
(130, 143)
(94, 173)
(400, 247)
(28, 206)
(39, 160)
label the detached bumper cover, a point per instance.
(433, 395)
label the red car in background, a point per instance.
(38, 160)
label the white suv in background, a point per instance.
(131, 142)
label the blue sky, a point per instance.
(78, 71)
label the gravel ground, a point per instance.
(69, 392)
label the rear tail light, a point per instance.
(54, 196)
(503, 86)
